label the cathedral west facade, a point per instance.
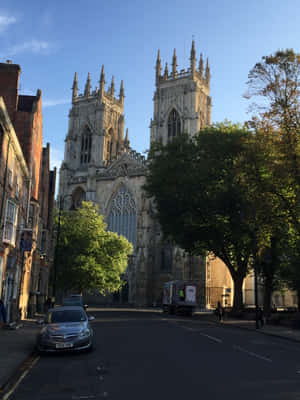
(100, 166)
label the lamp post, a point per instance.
(60, 208)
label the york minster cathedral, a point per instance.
(100, 166)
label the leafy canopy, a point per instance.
(207, 193)
(89, 256)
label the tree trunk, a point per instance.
(238, 292)
(267, 295)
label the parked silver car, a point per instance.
(65, 329)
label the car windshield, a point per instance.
(72, 302)
(66, 316)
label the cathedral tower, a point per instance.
(181, 100)
(95, 136)
(96, 125)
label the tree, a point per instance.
(89, 256)
(207, 196)
(275, 82)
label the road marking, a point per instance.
(10, 392)
(202, 334)
(250, 353)
(211, 337)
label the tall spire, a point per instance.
(158, 68)
(126, 141)
(166, 73)
(75, 87)
(112, 86)
(87, 89)
(207, 73)
(201, 66)
(193, 57)
(174, 64)
(121, 94)
(101, 82)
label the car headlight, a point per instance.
(85, 333)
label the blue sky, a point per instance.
(51, 40)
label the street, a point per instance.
(150, 355)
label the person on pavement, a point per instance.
(220, 311)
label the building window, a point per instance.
(86, 146)
(10, 226)
(173, 124)
(122, 215)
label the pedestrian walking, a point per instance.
(220, 311)
(48, 304)
(3, 316)
(260, 317)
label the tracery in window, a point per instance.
(173, 124)
(86, 146)
(122, 215)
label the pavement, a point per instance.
(17, 345)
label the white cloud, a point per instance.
(5, 21)
(32, 46)
(52, 103)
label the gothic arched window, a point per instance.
(78, 197)
(86, 146)
(173, 124)
(122, 215)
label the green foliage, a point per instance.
(207, 192)
(89, 256)
(275, 83)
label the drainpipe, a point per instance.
(4, 185)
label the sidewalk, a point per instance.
(270, 330)
(15, 348)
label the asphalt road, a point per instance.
(145, 355)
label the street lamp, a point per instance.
(60, 208)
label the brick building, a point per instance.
(25, 115)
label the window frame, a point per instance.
(13, 222)
(173, 124)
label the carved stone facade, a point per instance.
(100, 166)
